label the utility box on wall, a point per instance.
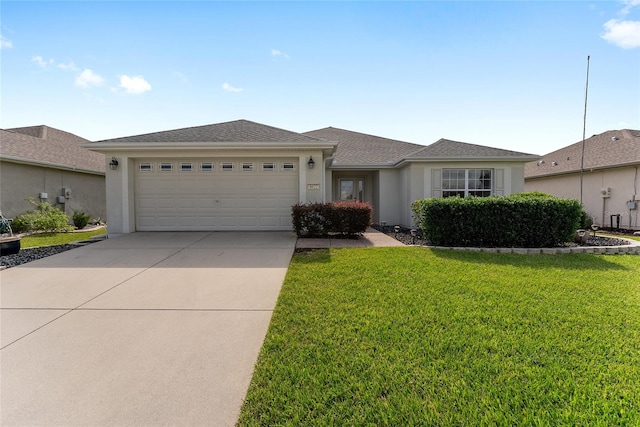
(61, 199)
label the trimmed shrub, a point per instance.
(44, 217)
(322, 219)
(80, 219)
(519, 220)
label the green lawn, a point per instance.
(412, 336)
(50, 239)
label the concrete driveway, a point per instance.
(141, 329)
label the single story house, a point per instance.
(243, 175)
(604, 176)
(50, 165)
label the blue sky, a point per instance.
(508, 74)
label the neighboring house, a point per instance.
(610, 181)
(243, 175)
(50, 165)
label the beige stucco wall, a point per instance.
(20, 181)
(624, 183)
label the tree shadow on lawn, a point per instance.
(581, 262)
(312, 255)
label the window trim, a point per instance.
(145, 167)
(268, 167)
(227, 166)
(248, 166)
(288, 166)
(166, 167)
(467, 190)
(207, 169)
(184, 168)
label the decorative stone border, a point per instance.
(633, 248)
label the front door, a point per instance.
(352, 189)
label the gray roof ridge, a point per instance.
(443, 140)
(198, 127)
(368, 135)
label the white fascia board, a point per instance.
(469, 159)
(364, 167)
(108, 147)
(50, 165)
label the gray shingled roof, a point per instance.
(359, 149)
(609, 149)
(445, 148)
(48, 133)
(48, 146)
(235, 131)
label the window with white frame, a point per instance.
(145, 167)
(247, 167)
(206, 167)
(288, 166)
(268, 167)
(186, 166)
(467, 182)
(226, 166)
(166, 167)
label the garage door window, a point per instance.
(186, 167)
(288, 166)
(166, 167)
(145, 167)
(247, 167)
(226, 167)
(206, 167)
(268, 167)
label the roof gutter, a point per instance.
(525, 159)
(106, 147)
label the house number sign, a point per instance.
(313, 186)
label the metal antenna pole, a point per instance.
(584, 128)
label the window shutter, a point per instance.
(499, 183)
(436, 182)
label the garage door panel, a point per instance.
(215, 200)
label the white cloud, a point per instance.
(134, 85)
(88, 78)
(276, 52)
(229, 88)
(41, 61)
(70, 66)
(5, 43)
(625, 34)
(628, 5)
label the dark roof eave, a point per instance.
(586, 169)
(51, 165)
(172, 146)
(525, 159)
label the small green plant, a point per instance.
(44, 217)
(80, 219)
(585, 220)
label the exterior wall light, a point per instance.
(311, 163)
(113, 164)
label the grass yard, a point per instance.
(51, 239)
(412, 336)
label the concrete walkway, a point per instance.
(142, 329)
(370, 238)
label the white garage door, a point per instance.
(215, 194)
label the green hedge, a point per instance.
(519, 220)
(322, 219)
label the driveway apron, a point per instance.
(141, 329)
